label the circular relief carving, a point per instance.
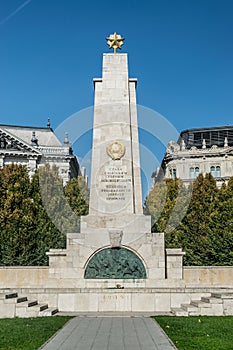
(116, 150)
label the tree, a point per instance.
(220, 241)
(198, 219)
(154, 204)
(193, 232)
(55, 202)
(77, 195)
(17, 216)
(35, 215)
(165, 203)
(48, 235)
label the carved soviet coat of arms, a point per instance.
(116, 150)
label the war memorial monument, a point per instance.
(115, 246)
(115, 263)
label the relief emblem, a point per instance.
(116, 150)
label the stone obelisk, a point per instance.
(115, 192)
(115, 243)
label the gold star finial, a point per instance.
(115, 41)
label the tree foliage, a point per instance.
(36, 215)
(198, 219)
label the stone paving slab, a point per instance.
(110, 333)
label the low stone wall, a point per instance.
(37, 277)
(19, 277)
(208, 276)
(162, 300)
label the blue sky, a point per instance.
(181, 51)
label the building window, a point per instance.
(218, 171)
(172, 173)
(212, 171)
(215, 171)
(194, 172)
(191, 173)
(197, 171)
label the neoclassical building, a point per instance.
(36, 146)
(203, 150)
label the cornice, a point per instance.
(11, 143)
(199, 153)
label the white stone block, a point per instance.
(163, 302)
(66, 302)
(179, 298)
(143, 302)
(7, 310)
(107, 302)
(123, 302)
(228, 307)
(86, 302)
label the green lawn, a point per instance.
(187, 333)
(202, 332)
(28, 333)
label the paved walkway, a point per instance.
(110, 333)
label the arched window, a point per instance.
(218, 171)
(172, 173)
(215, 171)
(191, 173)
(194, 172)
(197, 171)
(212, 171)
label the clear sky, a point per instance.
(181, 51)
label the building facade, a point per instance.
(35, 147)
(203, 150)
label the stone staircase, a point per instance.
(217, 304)
(12, 305)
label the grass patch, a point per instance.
(28, 333)
(199, 332)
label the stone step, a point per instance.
(195, 313)
(195, 302)
(14, 300)
(214, 310)
(36, 306)
(179, 311)
(28, 303)
(21, 300)
(189, 307)
(20, 306)
(200, 303)
(41, 307)
(32, 303)
(4, 296)
(33, 311)
(48, 312)
(211, 300)
(222, 295)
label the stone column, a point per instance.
(115, 179)
(174, 263)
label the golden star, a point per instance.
(115, 41)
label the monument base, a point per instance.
(76, 293)
(163, 268)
